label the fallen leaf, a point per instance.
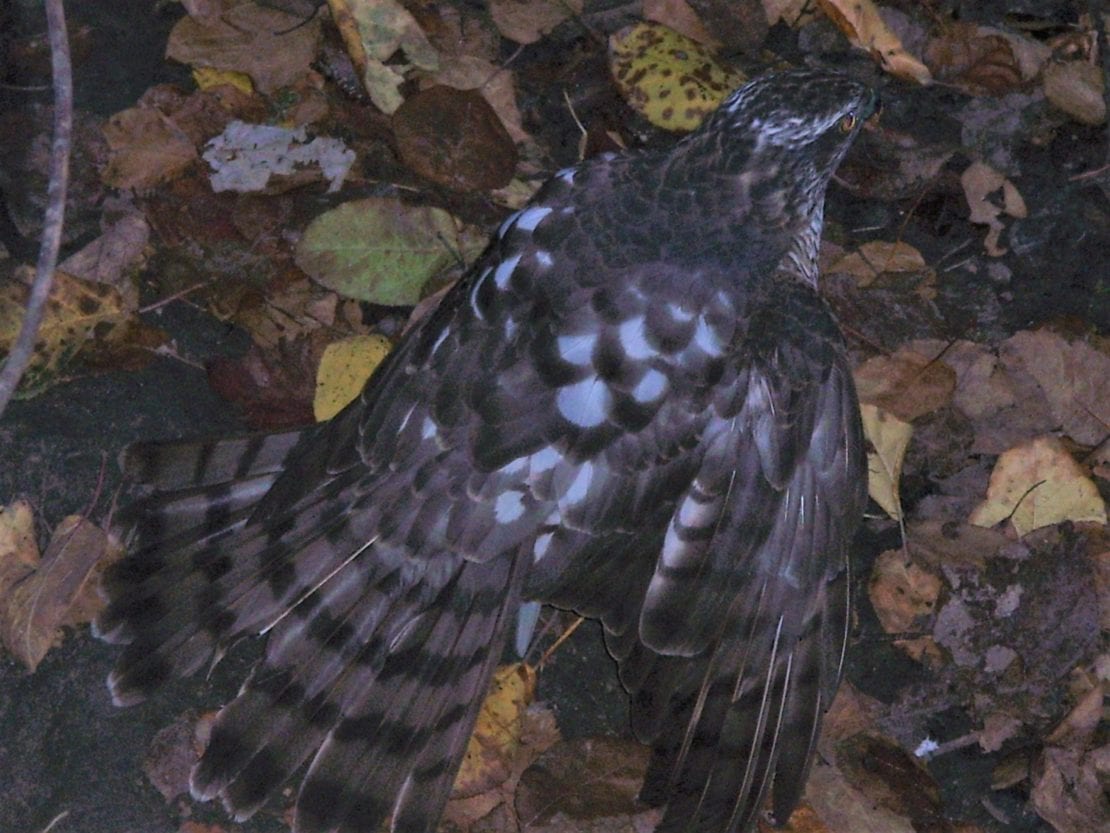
(494, 83)
(862, 24)
(526, 21)
(146, 148)
(974, 59)
(454, 138)
(877, 257)
(888, 437)
(56, 591)
(980, 181)
(669, 79)
(272, 47)
(907, 385)
(374, 31)
(344, 369)
(75, 309)
(1039, 484)
(1074, 377)
(903, 592)
(1076, 88)
(248, 158)
(677, 15)
(378, 249)
(497, 734)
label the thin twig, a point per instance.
(23, 349)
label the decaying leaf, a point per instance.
(903, 592)
(378, 249)
(272, 47)
(671, 80)
(1076, 88)
(374, 31)
(453, 137)
(907, 384)
(74, 311)
(980, 181)
(877, 257)
(497, 734)
(975, 58)
(42, 596)
(246, 157)
(145, 148)
(1039, 484)
(526, 21)
(862, 24)
(344, 369)
(888, 437)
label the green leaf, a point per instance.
(378, 249)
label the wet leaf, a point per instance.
(670, 79)
(1076, 88)
(903, 592)
(907, 385)
(146, 148)
(981, 183)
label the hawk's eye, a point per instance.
(848, 123)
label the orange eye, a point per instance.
(848, 123)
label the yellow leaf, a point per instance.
(1039, 484)
(343, 371)
(889, 437)
(879, 256)
(670, 79)
(497, 734)
(208, 77)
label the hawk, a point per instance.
(636, 406)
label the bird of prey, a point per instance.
(636, 406)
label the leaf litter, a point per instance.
(1003, 624)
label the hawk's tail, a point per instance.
(376, 663)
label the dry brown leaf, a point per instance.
(468, 72)
(677, 15)
(145, 148)
(272, 47)
(1067, 790)
(846, 809)
(56, 592)
(907, 384)
(1076, 88)
(526, 21)
(980, 182)
(975, 59)
(1039, 484)
(888, 437)
(454, 138)
(581, 783)
(1074, 376)
(903, 593)
(876, 257)
(861, 23)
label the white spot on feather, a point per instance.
(542, 545)
(566, 175)
(505, 271)
(650, 387)
(580, 486)
(508, 507)
(544, 259)
(674, 548)
(531, 217)
(585, 403)
(474, 293)
(678, 313)
(544, 460)
(706, 339)
(576, 349)
(503, 229)
(428, 429)
(633, 339)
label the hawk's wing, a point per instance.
(610, 424)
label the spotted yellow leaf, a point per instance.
(670, 79)
(344, 369)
